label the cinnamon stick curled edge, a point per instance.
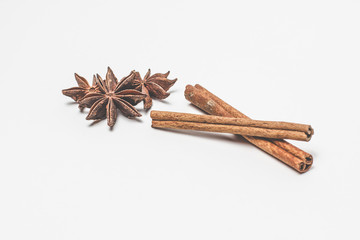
(280, 149)
(245, 127)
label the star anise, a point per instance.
(77, 93)
(155, 86)
(112, 95)
(83, 88)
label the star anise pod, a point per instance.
(83, 88)
(77, 93)
(155, 86)
(112, 95)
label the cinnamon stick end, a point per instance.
(309, 133)
(305, 167)
(307, 164)
(311, 130)
(189, 91)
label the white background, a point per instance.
(63, 178)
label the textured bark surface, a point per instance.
(241, 130)
(280, 149)
(242, 126)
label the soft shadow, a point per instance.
(240, 138)
(121, 117)
(95, 122)
(71, 103)
(136, 119)
(75, 103)
(311, 169)
(144, 111)
(163, 101)
(217, 136)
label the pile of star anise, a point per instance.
(104, 97)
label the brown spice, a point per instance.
(77, 93)
(153, 86)
(280, 149)
(245, 127)
(112, 95)
(306, 157)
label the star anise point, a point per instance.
(83, 88)
(153, 86)
(113, 95)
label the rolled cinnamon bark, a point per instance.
(280, 149)
(306, 157)
(246, 127)
(220, 128)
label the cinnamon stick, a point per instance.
(245, 127)
(306, 157)
(280, 149)
(269, 129)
